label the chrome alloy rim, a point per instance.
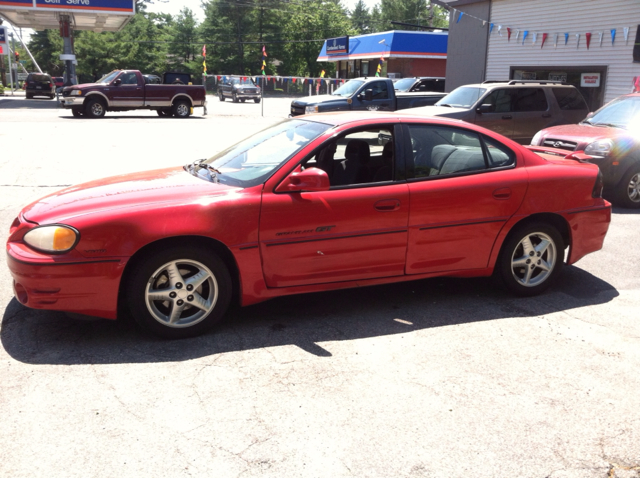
(97, 109)
(634, 188)
(181, 293)
(533, 259)
(182, 110)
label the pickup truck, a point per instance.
(363, 94)
(124, 90)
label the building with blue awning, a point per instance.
(404, 54)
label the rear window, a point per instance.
(569, 99)
(40, 77)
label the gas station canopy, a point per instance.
(95, 15)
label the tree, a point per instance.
(46, 47)
(361, 18)
(184, 38)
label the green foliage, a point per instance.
(46, 47)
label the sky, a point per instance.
(174, 6)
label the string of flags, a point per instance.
(379, 69)
(282, 80)
(204, 59)
(558, 37)
(264, 59)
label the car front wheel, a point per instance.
(94, 109)
(221, 96)
(531, 258)
(629, 192)
(180, 292)
(235, 98)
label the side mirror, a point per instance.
(589, 115)
(117, 82)
(486, 108)
(368, 95)
(311, 179)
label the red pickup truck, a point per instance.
(123, 90)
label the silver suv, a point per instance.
(516, 109)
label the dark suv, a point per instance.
(39, 84)
(239, 89)
(516, 109)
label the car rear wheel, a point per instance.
(180, 292)
(235, 98)
(629, 191)
(76, 112)
(94, 109)
(220, 96)
(181, 109)
(531, 258)
(28, 96)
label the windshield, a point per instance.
(252, 161)
(349, 88)
(109, 78)
(463, 97)
(404, 84)
(622, 112)
(243, 81)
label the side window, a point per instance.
(530, 99)
(498, 154)
(439, 150)
(500, 100)
(129, 79)
(569, 99)
(359, 157)
(379, 90)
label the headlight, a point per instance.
(75, 93)
(602, 147)
(53, 239)
(535, 141)
(310, 109)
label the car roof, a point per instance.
(345, 117)
(518, 84)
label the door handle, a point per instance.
(387, 205)
(507, 117)
(502, 193)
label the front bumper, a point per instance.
(72, 101)
(241, 94)
(88, 287)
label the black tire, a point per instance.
(257, 100)
(52, 97)
(76, 112)
(628, 194)
(163, 113)
(29, 97)
(220, 96)
(94, 108)
(151, 276)
(544, 263)
(235, 97)
(181, 109)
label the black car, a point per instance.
(422, 83)
(239, 89)
(40, 84)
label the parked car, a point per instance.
(58, 80)
(516, 109)
(419, 83)
(239, 89)
(310, 204)
(39, 84)
(373, 94)
(124, 90)
(611, 136)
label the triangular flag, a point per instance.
(588, 35)
(535, 37)
(544, 39)
(566, 38)
(524, 36)
(626, 34)
(601, 35)
(322, 74)
(293, 80)
(461, 13)
(517, 34)
(508, 34)
(500, 30)
(555, 43)
(613, 36)
(490, 28)
(577, 40)
(204, 50)
(484, 23)
(244, 78)
(218, 78)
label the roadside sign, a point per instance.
(22, 76)
(4, 50)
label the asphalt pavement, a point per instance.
(434, 378)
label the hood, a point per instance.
(144, 189)
(443, 111)
(83, 85)
(582, 134)
(316, 100)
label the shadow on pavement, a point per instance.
(19, 102)
(41, 337)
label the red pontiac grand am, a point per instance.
(311, 204)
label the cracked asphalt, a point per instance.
(437, 378)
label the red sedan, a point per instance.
(311, 204)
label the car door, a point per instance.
(129, 93)
(355, 230)
(531, 113)
(500, 117)
(463, 188)
(380, 99)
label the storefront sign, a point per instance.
(528, 75)
(3, 35)
(558, 77)
(124, 6)
(590, 80)
(338, 46)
